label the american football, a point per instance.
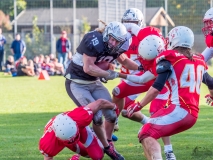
(103, 65)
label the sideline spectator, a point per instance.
(10, 66)
(63, 47)
(37, 66)
(59, 68)
(18, 47)
(49, 67)
(2, 43)
(24, 69)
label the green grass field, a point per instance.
(26, 104)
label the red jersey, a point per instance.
(131, 53)
(185, 80)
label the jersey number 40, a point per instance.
(192, 77)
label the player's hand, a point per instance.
(102, 79)
(112, 75)
(209, 100)
(133, 108)
(140, 68)
(209, 40)
(117, 111)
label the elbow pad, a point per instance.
(164, 66)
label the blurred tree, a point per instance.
(85, 26)
(5, 21)
(36, 43)
(8, 7)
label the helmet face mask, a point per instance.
(118, 32)
(133, 15)
(208, 27)
(208, 22)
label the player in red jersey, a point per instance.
(208, 52)
(135, 16)
(183, 71)
(70, 129)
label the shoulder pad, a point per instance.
(94, 40)
(163, 66)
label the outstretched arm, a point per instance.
(101, 104)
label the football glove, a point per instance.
(135, 107)
(112, 75)
(209, 100)
(209, 40)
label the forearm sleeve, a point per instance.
(147, 76)
(208, 80)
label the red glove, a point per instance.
(117, 111)
(209, 100)
(209, 40)
(133, 108)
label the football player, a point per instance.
(82, 82)
(183, 72)
(208, 52)
(70, 129)
(131, 15)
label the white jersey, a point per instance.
(207, 53)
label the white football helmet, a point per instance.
(133, 15)
(118, 31)
(115, 29)
(65, 128)
(180, 36)
(208, 22)
(150, 47)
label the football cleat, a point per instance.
(75, 157)
(170, 155)
(112, 153)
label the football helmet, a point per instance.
(118, 31)
(208, 22)
(150, 47)
(180, 36)
(133, 15)
(65, 128)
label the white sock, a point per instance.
(168, 148)
(145, 119)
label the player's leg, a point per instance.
(160, 102)
(81, 95)
(174, 119)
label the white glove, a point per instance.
(132, 28)
(112, 75)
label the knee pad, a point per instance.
(124, 113)
(116, 91)
(110, 115)
(97, 119)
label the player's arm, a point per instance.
(208, 81)
(146, 77)
(163, 71)
(207, 53)
(132, 28)
(101, 104)
(127, 63)
(91, 69)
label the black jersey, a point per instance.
(92, 45)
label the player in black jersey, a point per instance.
(82, 76)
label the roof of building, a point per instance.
(64, 16)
